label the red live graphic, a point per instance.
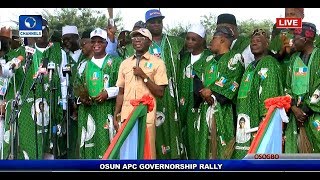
(289, 23)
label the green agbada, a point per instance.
(9, 97)
(303, 85)
(169, 139)
(93, 121)
(222, 75)
(27, 124)
(242, 42)
(261, 80)
(275, 47)
(188, 113)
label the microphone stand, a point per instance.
(67, 72)
(53, 121)
(42, 110)
(15, 111)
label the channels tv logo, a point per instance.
(30, 26)
(289, 23)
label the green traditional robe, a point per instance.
(126, 52)
(26, 120)
(275, 47)
(241, 44)
(222, 76)
(303, 84)
(94, 120)
(317, 41)
(260, 81)
(9, 96)
(188, 113)
(168, 133)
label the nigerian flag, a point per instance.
(132, 139)
(268, 139)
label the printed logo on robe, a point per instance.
(222, 81)
(243, 126)
(300, 98)
(95, 76)
(160, 118)
(234, 86)
(315, 97)
(3, 86)
(209, 58)
(148, 65)
(248, 78)
(223, 143)
(156, 51)
(109, 62)
(182, 101)
(316, 124)
(188, 72)
(263, 73)
(88, 133)
(106, 78)
(212, 69)
(165, 149)
(233, 61)
(300, 71)
(42, 110)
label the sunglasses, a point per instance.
(138, 38)
(98, 41)
(155, 21)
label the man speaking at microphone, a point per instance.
(139, 75)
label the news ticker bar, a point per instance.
(160, 165)
(283, 156)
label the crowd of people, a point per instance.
(209, 100)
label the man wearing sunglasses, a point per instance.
(303, 86)
(222, 75)
(169, 140)
(240, 44)
(260, 81)
(139, 75)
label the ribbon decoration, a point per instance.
(145, 100)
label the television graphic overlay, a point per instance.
(30, 26)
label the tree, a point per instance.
(179, 30)
(245, 27)
(248, 26)
(83, 18)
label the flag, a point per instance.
(132, 139)
(268, 139)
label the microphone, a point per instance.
(66, 70)
(15, 62)
(29, 50)
(43, 69)
(138, 56)
(51, 67)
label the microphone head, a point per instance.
(51, 66)
(29, 49)
(45, 62)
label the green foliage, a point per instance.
(83, 18)
(248, 26)
(209, 22)
(179, 30)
